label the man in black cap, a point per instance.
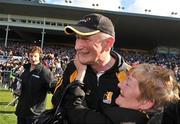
(95, 37)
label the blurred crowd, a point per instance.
(56, 58)
(165, 60)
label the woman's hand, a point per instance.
(80, 68)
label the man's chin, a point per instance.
(84, 62)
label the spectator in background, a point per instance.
(1, 52)
(146, 90)
(35, 83)
(58, 68)
(95, 38)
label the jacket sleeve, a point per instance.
(77, 112)
(63, 83)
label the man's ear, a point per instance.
(146, 104)
(109, 43)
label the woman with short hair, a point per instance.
(146, 90)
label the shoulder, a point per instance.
(43, 71)
(122, 65)
(70, 64)
(70, 67)
(44, 68)
(46, 71)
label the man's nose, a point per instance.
(79, 44)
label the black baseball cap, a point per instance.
(91, 24)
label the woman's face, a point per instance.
(129, 93)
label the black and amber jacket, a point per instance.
(78, 113)
(99, 90)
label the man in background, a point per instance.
(35, 84)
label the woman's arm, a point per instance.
(77, 112)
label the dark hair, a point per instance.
(36, 49)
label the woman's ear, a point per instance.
(146, 104)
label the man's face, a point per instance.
(34, 58)
(89, 49)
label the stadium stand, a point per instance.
(141, 37)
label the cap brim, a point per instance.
(83, 31)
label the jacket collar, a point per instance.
(37, 67)
(119, 61)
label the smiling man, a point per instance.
(95, 37)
